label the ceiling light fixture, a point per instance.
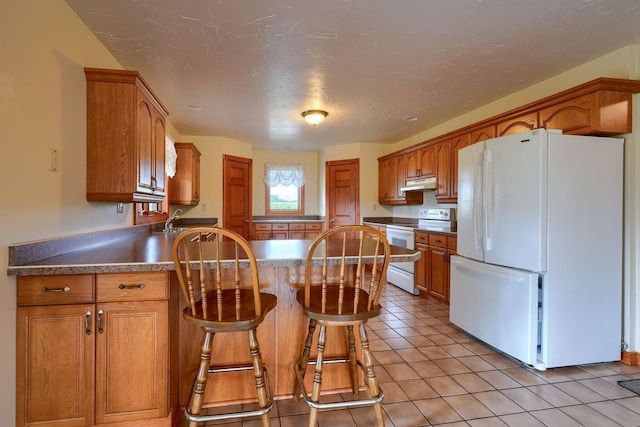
(314, 117)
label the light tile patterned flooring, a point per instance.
(433, 374)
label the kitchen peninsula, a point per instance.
(99, 317)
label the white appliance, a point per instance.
(401, 274)
(539, 274)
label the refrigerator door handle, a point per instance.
(487, 198)
(464, 266)
(477, 202)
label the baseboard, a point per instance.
(629, 358)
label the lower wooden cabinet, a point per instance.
(432, 269)
(92, 349)
(284, 231)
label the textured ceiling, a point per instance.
(246, 69)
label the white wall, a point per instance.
(42, 104)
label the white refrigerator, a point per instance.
(539, 271)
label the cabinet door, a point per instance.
(438, 273)
(151, 147)
(159, 153)
(457, 143)
(131, 361)
(421, 268)
(387, 180)
(401, 161)
(412, 164)
(428, 161)
(483, 134)
(443, 169)
(54, 365)
(519, 124)
(195, 177)
(145, 144)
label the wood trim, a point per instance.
(593, 86)
(630, 358)
(125, 76)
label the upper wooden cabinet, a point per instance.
(601, 112)
(523, 123)
(185, 185)
(599, 107)
(421, 163)
(391, 178)
(125, 138)
(443, 170)
(457, 143)
(483, 133)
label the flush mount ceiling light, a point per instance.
(314, 117)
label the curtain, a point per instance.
(171, 156)
(284, 175)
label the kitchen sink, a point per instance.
(174, 230)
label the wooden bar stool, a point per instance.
(219, 282)
(336, 302)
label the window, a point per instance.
(284, 189)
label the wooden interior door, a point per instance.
(236, 194)
(343, 192)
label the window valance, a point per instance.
(284, 175)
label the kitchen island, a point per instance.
(142, 253)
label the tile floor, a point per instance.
(433, 374)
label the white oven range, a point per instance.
(401, 274)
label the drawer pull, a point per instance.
(100, 328)
(87, 329)
(65, 289)
(123, 286)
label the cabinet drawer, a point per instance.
(263, 227)
(131, 286)
(438, 240)
(422, 238)
(313, 226)
(55, 290)
(452, 243)
(296, 226)
(280, 227)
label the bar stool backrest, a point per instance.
(348, 288)
(217, 270)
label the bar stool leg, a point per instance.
(304, 358)
(372, 381)
(195, 406)
(317, 377)
(353, 362)
(258, 371)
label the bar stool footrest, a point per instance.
(336, 405)
(234, 415)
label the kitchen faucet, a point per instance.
(168, 224)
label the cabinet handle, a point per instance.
(100, 328)
(65, 289)
(123, 286)
(87, 329)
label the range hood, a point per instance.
(419, 184)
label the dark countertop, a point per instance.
(407, 222)
(140, 249)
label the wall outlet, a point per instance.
(119, 207)
(53, 160)
(204, 207)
